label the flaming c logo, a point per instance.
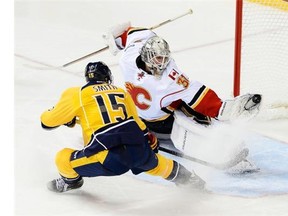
(135, 92)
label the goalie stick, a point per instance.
(221, 166)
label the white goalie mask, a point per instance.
(156, 54)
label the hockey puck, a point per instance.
(256, 98)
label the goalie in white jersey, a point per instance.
(158, 86)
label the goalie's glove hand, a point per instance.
(241, 107)
(153, 142)
(72, 123)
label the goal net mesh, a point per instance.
(264, 55)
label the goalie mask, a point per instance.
(98, 72)
(156, 54)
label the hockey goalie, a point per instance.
(159, 88)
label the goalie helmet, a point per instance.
(156, 54)
(98, 72)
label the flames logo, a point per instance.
(135, 92)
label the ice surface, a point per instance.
(52, 33)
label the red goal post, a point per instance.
(261, 54)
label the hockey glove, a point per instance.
(113, 37)
(72, 123)
(197, 117)
(240, 107)
(153, 142)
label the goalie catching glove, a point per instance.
(243, 106)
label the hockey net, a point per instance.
(261, 54)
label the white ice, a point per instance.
(49, 34)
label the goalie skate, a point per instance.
(243, 167)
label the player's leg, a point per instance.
(175, 172)
(69, 178)
(158, 165)
(73, 165)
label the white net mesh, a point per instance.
(264, 55)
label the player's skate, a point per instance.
(60, 185)
(243, 167)
(196, 182)
(193, 182)
(184, 178)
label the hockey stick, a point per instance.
(86, 56)
(237, 159)
(107, 47)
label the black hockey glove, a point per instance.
(197, 117)
(72, 123)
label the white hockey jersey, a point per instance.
(152, 94)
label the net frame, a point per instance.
(261, 51)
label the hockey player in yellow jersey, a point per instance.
(115, 139)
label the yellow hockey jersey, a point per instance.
(95, 106)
